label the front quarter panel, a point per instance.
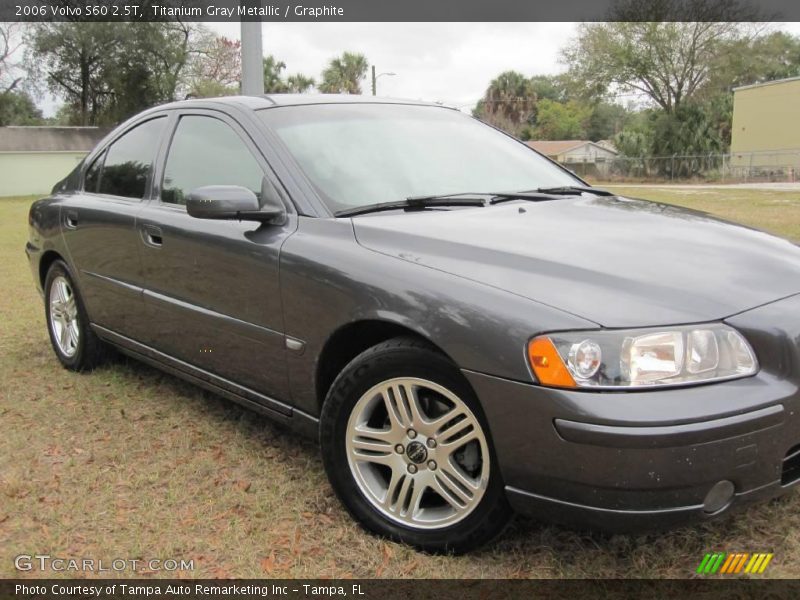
(329, 281)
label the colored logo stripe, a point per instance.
(724, 563)
(758, 563)
(711, 563)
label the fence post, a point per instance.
(722, 171)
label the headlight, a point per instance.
(641, 357)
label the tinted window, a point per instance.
(93, 174)
(206, 151)
(129, 160)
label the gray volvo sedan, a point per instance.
(467, 328)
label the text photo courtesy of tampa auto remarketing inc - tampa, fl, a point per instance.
(453, 299)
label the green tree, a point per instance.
(17, 108)
(343, 74)
(107, 72)
(606, 120)
(299, 83)
(151, 67)
(71, 59)
(273, 81)
(561, 121)
(208, 88)
(668, 62)
(754, 60)
(634, 141)
(509, 103)
(551, 87)
(215, 67)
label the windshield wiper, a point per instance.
(568, 190)
(472, 199)
(551, 193)
(415, 203)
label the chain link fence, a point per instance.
(740, 167)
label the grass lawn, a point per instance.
(774, 211)
(127, 462)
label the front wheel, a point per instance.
(407, 449)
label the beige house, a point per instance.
(766, 126)
(582, 156)
(34, 159)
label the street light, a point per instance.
(375, 79)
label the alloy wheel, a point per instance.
(417, 453)
(64, 317)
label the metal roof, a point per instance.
(556, 147)
(50, 139)
(273, 100)
(766, 83)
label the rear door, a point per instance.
(212, 287)
(99, 227)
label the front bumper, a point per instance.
(621, 461)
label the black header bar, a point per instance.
(400, 10)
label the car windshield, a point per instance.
(362, 154)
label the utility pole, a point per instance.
(252, 57)
(375, 80)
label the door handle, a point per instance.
(152, 236)
(71, 220)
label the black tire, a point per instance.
(89, 350)
(410, 358)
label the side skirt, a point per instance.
(299, 421)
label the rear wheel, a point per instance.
(75, 344)
(408, 452)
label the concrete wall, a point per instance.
(25, 173)
(766, 125)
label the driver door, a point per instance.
(212, 289)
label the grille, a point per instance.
(791, 466)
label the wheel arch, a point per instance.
(352, 339)
(45, 262)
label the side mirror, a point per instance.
(230, 202)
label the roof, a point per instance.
(50, 139)
(555, 147)
(766, 83)
(275, 100)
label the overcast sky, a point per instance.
(448, 62)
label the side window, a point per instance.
(206, 151)
(93, 174)
(129, 160)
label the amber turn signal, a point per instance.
(547, 364)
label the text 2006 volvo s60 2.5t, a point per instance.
(468, 328)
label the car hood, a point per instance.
(612, 260)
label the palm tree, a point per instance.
(299, 83)
(343, 74)
(510, 100)
(273, 84)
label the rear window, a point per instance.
(128, 162)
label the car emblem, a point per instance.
(416, 452)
